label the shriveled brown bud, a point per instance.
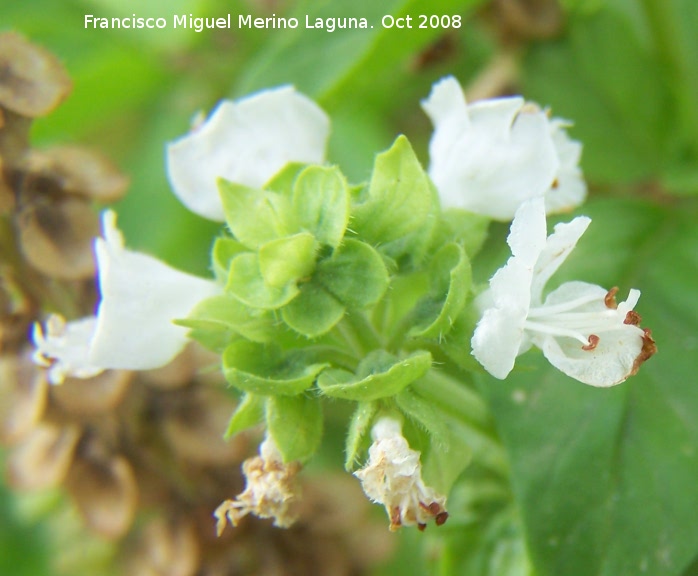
(32, 80)
(105, 492)
(77, 170)
(42, 460)
(23, 393)
(92, 396)
(56, 236)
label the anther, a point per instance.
(610, 298)
(632, 318)
(593, 342)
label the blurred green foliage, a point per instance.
(604, 481)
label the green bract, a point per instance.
(399, 210)
(268, 370)
(379, 375)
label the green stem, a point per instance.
(359, 333)
(454, 397)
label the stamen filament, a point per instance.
(555, 331)
(562, 306)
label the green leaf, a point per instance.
(254, 216)
(355, 274)
(295, 424)
(313, 312)
(321, 203)
(380, 375)
(267, 370)
(606, 479)
(450, 276)
(288, 259)
(224, 312)
(359, 431)
(626, 137)
(247, 284)
(222, 254)
(248, 413)
(400, 201)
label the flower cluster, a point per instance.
(304, 305)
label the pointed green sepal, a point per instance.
(355, 274)
(295, 425)
(313, 312)
(266, 369)
(249, 412)
(321, 203)
(379, 375)
(225, 249)
(359, 433)
(282, 181)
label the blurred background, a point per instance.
(616, 495)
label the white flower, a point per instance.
(133, 329)
(393, 477)
(246, 142)
(490, 156)
(271, 490)
(579, 327)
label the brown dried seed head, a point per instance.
(105, 492)
(32, 80)
(193, 428)
(23, 394)
(78, 170)
(92, 396)
(166, 547)
(42, 460)
(7, 197)
(56, 237)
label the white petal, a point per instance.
(619, 345)
(140, 297)
(490, 156)
(499, 335)
(557, 248)
(570, 189)
(247, 142)
(497, 340)
(64, 348)
(610, 363)
(527, 235)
